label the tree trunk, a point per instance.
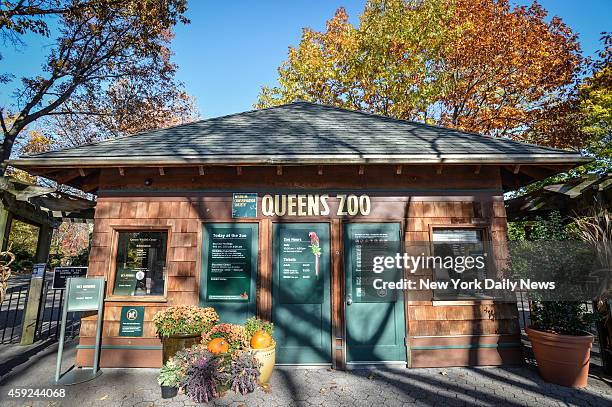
(7, 146)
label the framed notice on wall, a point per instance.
(300, 279)
(230, 260)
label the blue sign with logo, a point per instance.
(244, 205)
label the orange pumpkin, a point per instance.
(261, 340)
(218, 345)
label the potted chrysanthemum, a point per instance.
(180, 327)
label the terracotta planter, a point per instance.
(267, 358)
(562, 359)
(174, 343)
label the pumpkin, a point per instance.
(261, 340)
(218, 345)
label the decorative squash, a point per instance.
(261, 340)
(218, 345)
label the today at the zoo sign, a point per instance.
(314, 205)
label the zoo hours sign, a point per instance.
(314, 205)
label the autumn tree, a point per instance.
(505, 66)
(389, 64)
(479, 65)
(583, 119)
(106, 51)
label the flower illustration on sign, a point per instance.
(316, 249)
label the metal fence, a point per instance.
(50, 315)
(48, 325)
(11, 313)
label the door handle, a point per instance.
(349, 300)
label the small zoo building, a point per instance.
(169, 199)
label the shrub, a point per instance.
(235, 335)
(244, 373)
(561, 317)
(184, 320)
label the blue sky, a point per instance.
(231, 49)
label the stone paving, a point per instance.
(314, 387)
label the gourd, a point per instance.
(218, 345)
(261, 340)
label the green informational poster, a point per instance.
(125, 281)
(365, 242)
(84, 294)
(230, 264)
(132, 320)
(299, 254)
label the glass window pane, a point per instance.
(458, 244)
(141, 263)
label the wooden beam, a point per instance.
(162, 172)
(201, 169)
(66, 177)
(439, 170)
(517, 168)
(239, 170)
(121, 171)
(279, 170)
(398, 169)
(91, 182)
(361, 169)
(320, 170)
(81, 172)
(477, 170)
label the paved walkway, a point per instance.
(310, 387)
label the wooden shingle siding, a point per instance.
(181, 201)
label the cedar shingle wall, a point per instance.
(182, 218)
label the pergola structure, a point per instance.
(571, 197)
(45, 208)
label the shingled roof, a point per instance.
(300, 133)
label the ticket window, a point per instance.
(140, 264)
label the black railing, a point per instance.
(11, 312)
(48, 324)
(50, 315)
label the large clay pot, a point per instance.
(174, 343)
(267, 358)
(562, 359)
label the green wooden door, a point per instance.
(375, 328)
(300, 293)
(229, 270)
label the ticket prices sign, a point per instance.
(300, 250)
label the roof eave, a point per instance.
(330, 159)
